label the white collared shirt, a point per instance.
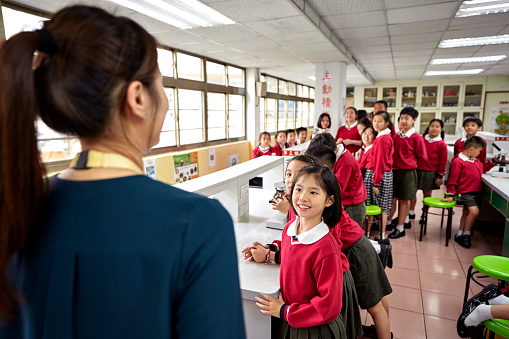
(437, 138)
(368, 148)
(264, 149)
(408, 133)
(465, 158)
(384, 132)
(340, 152)
(308, 237)
(465, 138)
(352, 126)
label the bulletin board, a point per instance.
(494, 103)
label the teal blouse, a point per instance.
(127, 258)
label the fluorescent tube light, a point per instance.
(312, 77)
(486, 40)
(482, 7)
(493, 58)
(183, 14)
(459, 72)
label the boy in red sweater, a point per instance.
(408, 148)
(348, 173)
(302, 135)
(290, 138)
(465, 179)
(471, 125)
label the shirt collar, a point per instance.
(465, 138)
(353, 125)
(264, 149)
(437, 138)
(465, 158)
(408, 133)
(384, 132)
(341, 151)
(308, 237)
(368, 148)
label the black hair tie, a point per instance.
(48, 44)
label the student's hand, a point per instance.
(246, 252)
(496, 159)
(347, 142)
(448, 199)
(259, 253)
(282, 205)
(270, 305)
(339, 141)
(358, 153)
(376, 191)
(439, 182)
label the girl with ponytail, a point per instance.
(102, 251)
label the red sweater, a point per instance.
(366, 160)
(381, 153)
(350, 180)
(437, 157)
(352, 133)
(257, 152)
(310, 281)
(465, 175)
(459, 146)
(407, 150)
(277, 150)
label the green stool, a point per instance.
(490, 265)
(373, 210)
(438, 203)
(498, 326)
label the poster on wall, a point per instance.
(150, 168)
(233, 159)
(212, 157)
(500, 120)
(186, 166)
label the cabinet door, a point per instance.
(429, 96)
(450, 120)
(370, 96)
(473, 96)
(426, 117)
(408, 96)
(389, 94)
(450, 95)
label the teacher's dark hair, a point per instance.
(76, 86)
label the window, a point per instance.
(290, 118)
(55, 146)
(16, 21)
(235, 77)
(283, 87)
(216, 73)
(299, 90)
(235, 116)
(291, 88)
(271, 115)
(216, 117)
(305, 91)
(305, 115)
(168, 136)
(271, 85)
(189, 67)
(311, 93)
(165, 61)
(298, 114)
(312, 121)
(281, 114)
(190, 105)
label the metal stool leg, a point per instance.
(424, 216)
(448, 230)
(442, 221)
(426, 220)
(467, 285)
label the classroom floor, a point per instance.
(428, 279)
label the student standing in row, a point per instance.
(408, 148)
(347, 134)
(280, 143)
(323, 125)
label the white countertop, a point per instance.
(499, 185)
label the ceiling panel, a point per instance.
(419, 27)
(225, 33)
(364, 19)
(422, 13)
(377, 41)
(255, 10)
(371, 49)
(174, 38)
(315, 47)
(338, 7)
(293, 24)
(471, 33)
(411, 53)
(499, 49)
(422, 37)
(480, 21)
(390, 4)
(314, 36)
(414, 46)
(361, 32)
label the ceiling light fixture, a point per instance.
(312, 77)
(494, 58)
(183, 14)
(486, 40)
(459, 72)
(482, 7)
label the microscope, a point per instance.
(502, 168)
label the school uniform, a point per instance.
(345, 132)
(261, 151)
(429, 171)
(365, 158)
(353, 192)
(381, 176)
(277, 149)
(465, 178)
(408, 147)
(459, 146)
(318, 130)
(310, 263)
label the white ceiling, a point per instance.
(392, 39)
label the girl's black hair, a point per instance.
(375, 133)
(329, 183)
(442, 134)
(320, 118)
(261, 135)
(308, 159)
(386, 116)
(366, 122)
(361, 114)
